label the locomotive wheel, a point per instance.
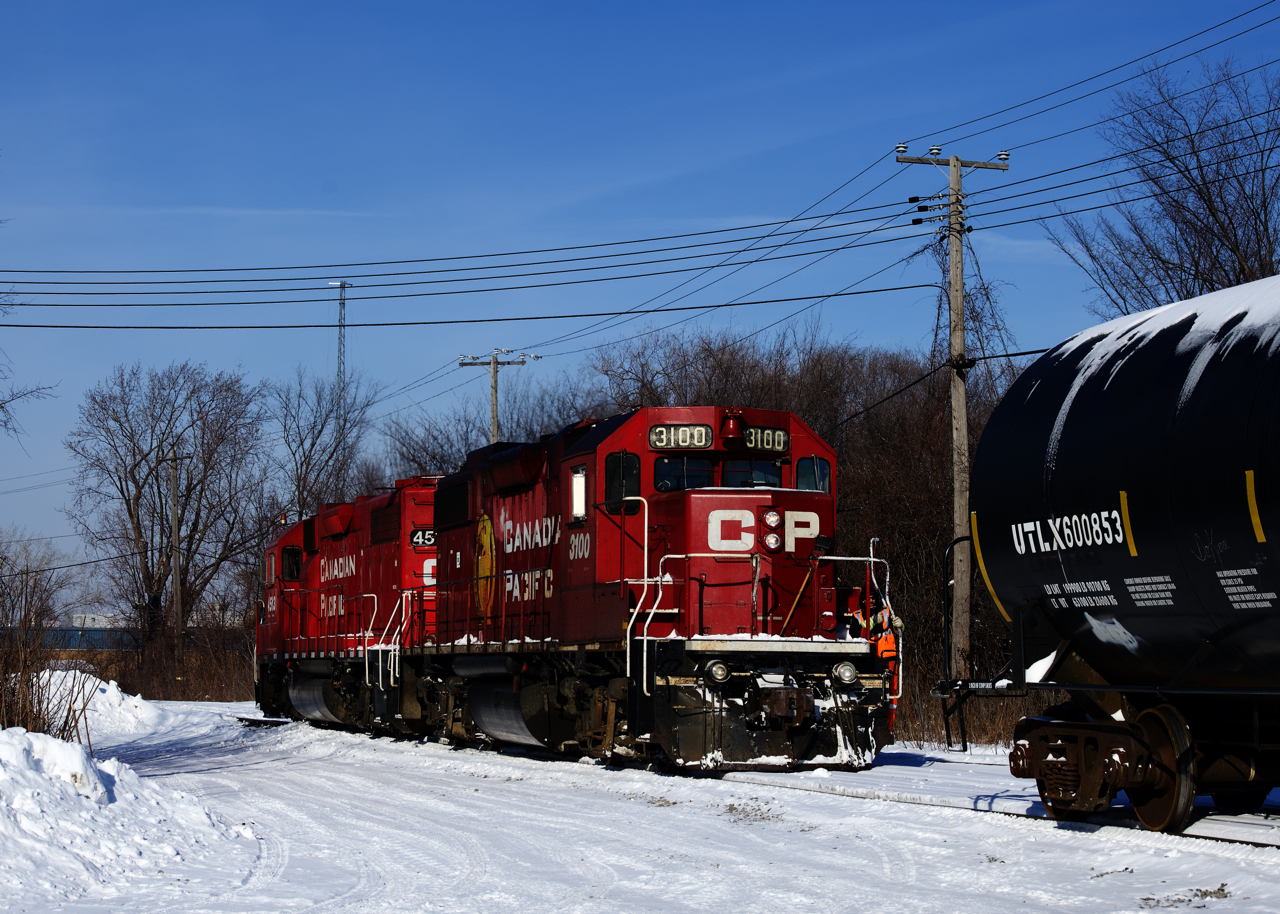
(1241, 801)
(1166, 807)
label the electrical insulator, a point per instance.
(900, 149)
(1003, 155)
(935, 151)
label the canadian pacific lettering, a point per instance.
(344, 566)
(518, 536)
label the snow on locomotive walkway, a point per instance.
(200, 814)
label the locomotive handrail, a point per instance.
(366, 633)
(862, 558)
(755, 587)
(895, 623)
(644, 549)
(382, 640)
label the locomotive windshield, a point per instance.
(741, 474)
(674, 474)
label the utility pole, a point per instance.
(343, 286)
(960, 365)
(492, 363)
(175, 531)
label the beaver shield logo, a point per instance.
(486, 568)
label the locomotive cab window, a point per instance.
(291, 564)
(813, 474)
(621, 480)
(743, 474)
(675, 474)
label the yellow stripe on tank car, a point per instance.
(977, 551)
(1124, 516)
(1253, 506)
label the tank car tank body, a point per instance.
(658, 585)
(1125, 513)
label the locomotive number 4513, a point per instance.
(422, 537)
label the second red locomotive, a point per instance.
(659, 585)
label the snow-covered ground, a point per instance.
(201, 814)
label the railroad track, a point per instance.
(983, 784)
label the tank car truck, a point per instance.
(1125, 515)
(657, 586)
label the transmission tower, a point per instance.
(343, 285)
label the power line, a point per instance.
(74, 565)
(683, 247)
(542, 285)
(30, 475)
(1132, 111)
(563, 338)
(474, 320)
(1131, 152)
(1115, 84)
(924, 377)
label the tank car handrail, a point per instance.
(622, 551)
(755, 587)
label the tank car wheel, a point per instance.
(1166, 807)
(1237, 802)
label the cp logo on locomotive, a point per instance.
(799, 525)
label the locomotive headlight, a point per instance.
(772, 541)
(718, 671)
(772, 519)
(844, 672)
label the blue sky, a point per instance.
(175, 136)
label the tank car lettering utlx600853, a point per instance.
(659, 585)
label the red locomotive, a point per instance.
(657, 585)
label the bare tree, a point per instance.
(14, 393)
(438, 442)
(33, 586)
(321, 426)
(1205, 213)
(127, 428)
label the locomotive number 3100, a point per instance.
(677, 436)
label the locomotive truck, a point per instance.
(658, 586)
(1125, 518)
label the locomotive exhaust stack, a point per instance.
(1124, 520)
(657, 586)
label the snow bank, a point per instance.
(113, 712)
(71, 824)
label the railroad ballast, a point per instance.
(659, 585)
